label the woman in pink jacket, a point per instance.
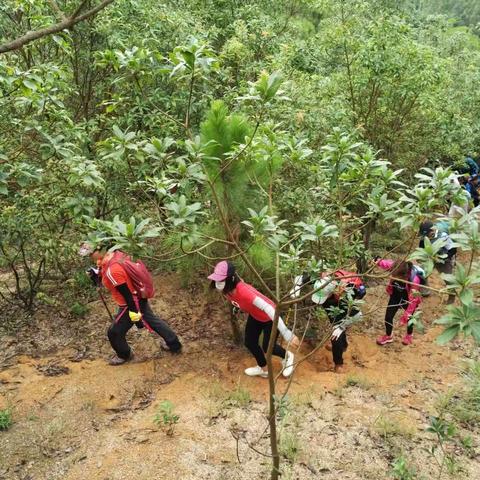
(402, 295)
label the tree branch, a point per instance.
(66, 24)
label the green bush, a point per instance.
(401, 470)
(165, 417)
(81, 281)
(5, 419)
(79, 309)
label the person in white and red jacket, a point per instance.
(403, 295)
(261, 311)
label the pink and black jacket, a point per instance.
(413, 291)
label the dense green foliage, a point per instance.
(464, 12)
(292, 130)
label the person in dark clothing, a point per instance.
(339, 336)
(472, 188)
(333, 299)
(132, 310)
(472, 166)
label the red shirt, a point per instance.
(243, 296)
(112, 276)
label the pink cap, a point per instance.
(220, 272)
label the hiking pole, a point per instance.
(102, 298)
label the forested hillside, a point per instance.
(106, 119)
(274, 142)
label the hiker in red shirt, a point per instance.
(132, 309)
(261, 312)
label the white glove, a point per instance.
(337, 331)
(297, 287)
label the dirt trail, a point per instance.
(83, 419)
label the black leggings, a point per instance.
(394, 304)
(253, 330)
(338, 347)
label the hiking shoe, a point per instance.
(384, 339)
(116, 360)
(287, 364)
(407, 339)
(256, 372)
(339, 369)
(174, 347)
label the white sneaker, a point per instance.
(256, 372)
(287, 364)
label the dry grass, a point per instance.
(393, 424)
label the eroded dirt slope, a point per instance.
(75, 417)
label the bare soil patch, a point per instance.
(76, 417)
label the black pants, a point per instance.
(337, 310)
(338, 348)
(118, 330)
(253, 330)
(394, 304)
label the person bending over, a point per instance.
(333, 294)
(261, 312)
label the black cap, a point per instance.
(425, 228)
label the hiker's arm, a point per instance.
(414, 301)
(270, 311)
(127, 295)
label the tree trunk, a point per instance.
(272, 419)
(362, 263)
